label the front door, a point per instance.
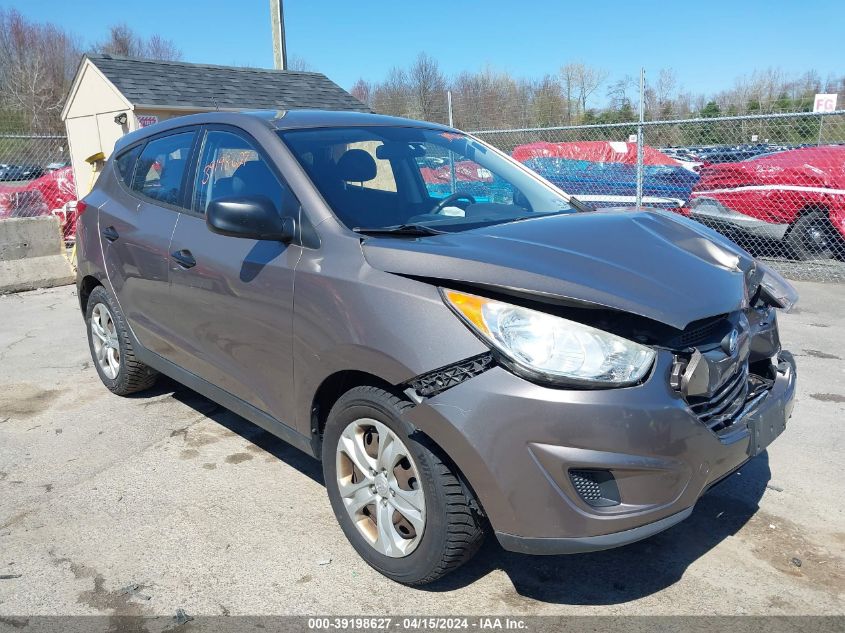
(136, 225)
(232, 298)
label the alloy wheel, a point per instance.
(380, 487)
(104, 339)
(816, 237)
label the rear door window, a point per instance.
(161, 167)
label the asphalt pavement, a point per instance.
(166, 501)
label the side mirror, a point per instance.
(251, 217)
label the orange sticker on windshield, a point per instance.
(451, 136)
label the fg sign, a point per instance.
(824, 103)
(151, 119)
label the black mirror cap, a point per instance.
(249, 217)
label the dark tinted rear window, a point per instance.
(125, 163)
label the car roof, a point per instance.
(279, 120)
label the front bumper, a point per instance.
(515, 442)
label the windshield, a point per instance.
(379, 177)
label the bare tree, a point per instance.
(363, 91)
(568, 76)
(37, 62)
(158, 47)
(620, 93)
(295, 62)
(665, 90)
(588, 80)
(428, 89)
(550, 106)
(121, 41)
(393, 96)
(125, 42)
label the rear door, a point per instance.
(232, 305)
(136, 226)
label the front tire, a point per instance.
(402, 508)
(812, 236)
(111, 348)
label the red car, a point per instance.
(796, 197)
(42, 196)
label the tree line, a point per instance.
(578, 94)
(38, 61)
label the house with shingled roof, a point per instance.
(111, 96)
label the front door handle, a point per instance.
(184, 258)
(110, 233)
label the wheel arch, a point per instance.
(85, 287)
(340, 382)
(333, 387)
(812, 207)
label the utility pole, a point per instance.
(277, 22)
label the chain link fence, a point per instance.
(774, 183)
(36, 178)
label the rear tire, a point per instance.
(444, 531)
(111, 347)
(812, 236)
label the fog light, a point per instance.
(596, 487)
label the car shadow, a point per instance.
(598, 578)
(631, 572)
(280, 449)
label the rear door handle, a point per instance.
(110, 233)
(184, 258)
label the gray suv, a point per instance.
(464, 346)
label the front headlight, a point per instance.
(776, 290)
(552, 348)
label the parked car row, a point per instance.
(604, 173)
(20, 172)
(776, 200)
(721, 153)
(794, 198)
(28, 171)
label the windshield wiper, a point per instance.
(580, 206)
(399, 229)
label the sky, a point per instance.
(708, 44)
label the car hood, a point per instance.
(647, 262)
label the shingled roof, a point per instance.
(179, 84)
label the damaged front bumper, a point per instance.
(563, 471)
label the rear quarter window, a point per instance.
(125, 164)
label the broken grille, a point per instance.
(697, 334)
(719, 410)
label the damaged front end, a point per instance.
(724, 367)
(730, 369)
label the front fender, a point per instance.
(356, 318)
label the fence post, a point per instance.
(640, 140)
(453, 180)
